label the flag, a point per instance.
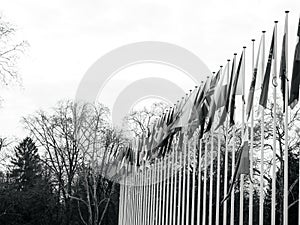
(283, 61)
(233, 91)
(252, 85)
(265, 86)
(294, 94)
(227, 97)
(242, 166)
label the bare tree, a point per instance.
(138, 121)
(10, 52)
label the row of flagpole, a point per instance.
(179, 187)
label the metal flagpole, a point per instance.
(144, 194)
(226, 165)
(168, 189)
(261, 197)
(211, 177)
(154, 193)
(199, 182)
(188, 183)
(180, 185)
(286, 168)
(218, 173)
(193, 180)
(243, 139)
(274, 81)
(160, 192)
(251, 150)
(165, 190)
(205, 181)
(232, 166)
(157, 190)
(184, 181)
(172, 182)
(150, 196)
(141, 210)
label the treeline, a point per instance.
(57, 175)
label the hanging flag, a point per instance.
(265, 86)
(227, 98)
(242, 166)
(283, 61)
(294, 95)
(233, 91)
(252, 85)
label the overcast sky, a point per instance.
(66, 37)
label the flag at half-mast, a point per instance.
(294, 96)
(253, 82)
(265, 86)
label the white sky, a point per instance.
(66, 37)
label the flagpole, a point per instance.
(205, 182)
(232, 168)
(184, 182)
(273, 203)
(172, 190)
(157, 191)
(167, 178)
(226, 166)
(151, 195)
(179, 183)
(211, 177)
(174, 184)
(251, 149)
(160, 192)
(199, 182)
(261, 199)
(286, 165)
(194, 181)
(164, 191)
(188, 183)
(243, 139)
(218, 172)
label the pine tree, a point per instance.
(27, 167)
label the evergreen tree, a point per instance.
(27, 167)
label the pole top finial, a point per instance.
(244, 47)
(287, 11)
(221, 66)
(228, 60)
(253, 39)
(264, 31)
(276, 21)
(235, 53)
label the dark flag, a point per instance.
(265, 86)
(226, 107)
(232, 98)
(282, 71)
(252, 85)
(294, 96)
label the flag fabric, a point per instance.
(252, 85)
(283, 61)
(233, 91)
(227, 98)
(265, 86)
(294, 94)
(242, 166)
